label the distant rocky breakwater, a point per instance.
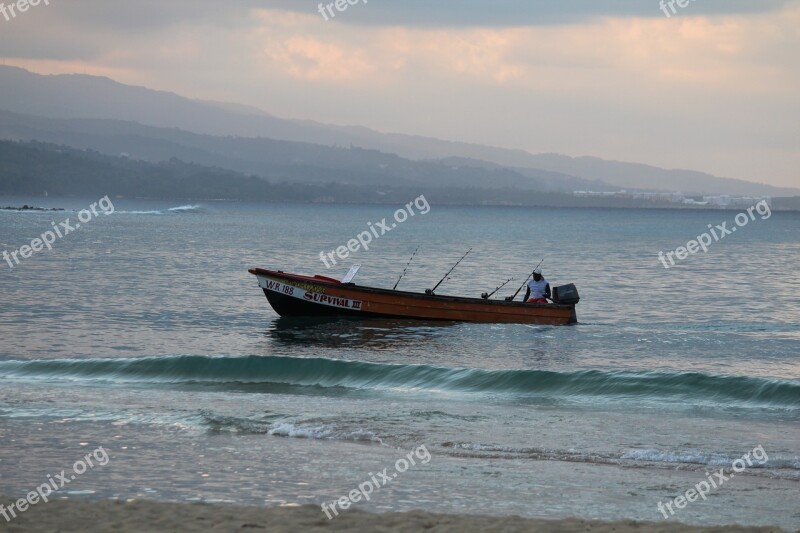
(31, 208)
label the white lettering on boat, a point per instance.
(302, 293)
(332, 300)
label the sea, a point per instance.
(141, 333)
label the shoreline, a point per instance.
(30, 208)
(143, 515)
(787, 204)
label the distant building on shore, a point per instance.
(723, 200)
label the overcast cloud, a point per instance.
(712, 88)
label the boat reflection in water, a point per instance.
(375, 334)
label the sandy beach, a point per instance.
(107, 515)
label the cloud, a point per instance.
(459, 13)
(714, 93)
(310, 59)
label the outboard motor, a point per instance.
(566, 295)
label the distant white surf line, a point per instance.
(189, 208)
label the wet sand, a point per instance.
(122, 517)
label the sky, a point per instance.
(714, 86)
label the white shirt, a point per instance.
(537, 287)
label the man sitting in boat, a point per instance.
(538, 289)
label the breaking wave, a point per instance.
(181, 209)
(266, 374)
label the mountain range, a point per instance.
(97, 113)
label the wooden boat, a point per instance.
(321, 296)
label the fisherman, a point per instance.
(538, 290)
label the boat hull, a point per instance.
(294, 295)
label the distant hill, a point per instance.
(33, 168)
(633, 175)
(279, 160)
(81, 96)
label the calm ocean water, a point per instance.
(143, 332)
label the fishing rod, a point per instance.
(487, 296)
(406, 268)
(511, 298)
(430, 291)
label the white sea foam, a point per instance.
(690, 457)
(185, 209)
(476, 447)
(287, 429)
(172, 210)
